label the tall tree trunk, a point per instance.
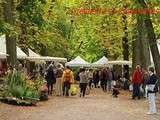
(144, 44)
(1, 9)
(141, 53)
(10, 39)
(153, 45)
(135, 51)
(125, 45)
(152, 38)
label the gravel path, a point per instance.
(96, 106)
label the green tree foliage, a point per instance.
(61, 28)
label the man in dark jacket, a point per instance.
(50, 78)
(151, 91)
(104, 78)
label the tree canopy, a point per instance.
(89, 28)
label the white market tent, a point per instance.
(37, 58)
(101, 62)
(120, 62)
(78, 62)
(20, 53)
(33, 54)
(48, 58)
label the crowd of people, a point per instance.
(145, 85)
(59, 81)
(143, 82)
(87, 78)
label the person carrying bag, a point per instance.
(151, 85)
(67, 78)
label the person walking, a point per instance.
(50, 78)
(67, 78)
(151, 91)
(104, 78)
(96, 78)
(136, 81)
(83, 82)
(59, 82)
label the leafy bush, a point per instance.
(17, 91)
(20, 87)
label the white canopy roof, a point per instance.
(20, 53)
(33, 54)
(78, 62)
(38, 58)
(47, 58)
(101, 62)
(120, 62)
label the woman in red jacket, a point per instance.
(136, 80)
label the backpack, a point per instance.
(67, 75)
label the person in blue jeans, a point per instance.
(67, 78)
(136, 80)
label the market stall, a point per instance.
(48, 58)
(38, 58)
(101, 62)
(32, 55)
(120, 62)
(78, 62)
(119, 67)
(20, 54)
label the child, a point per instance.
(115, 91)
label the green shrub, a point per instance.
(17, 91)
(20, 87)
